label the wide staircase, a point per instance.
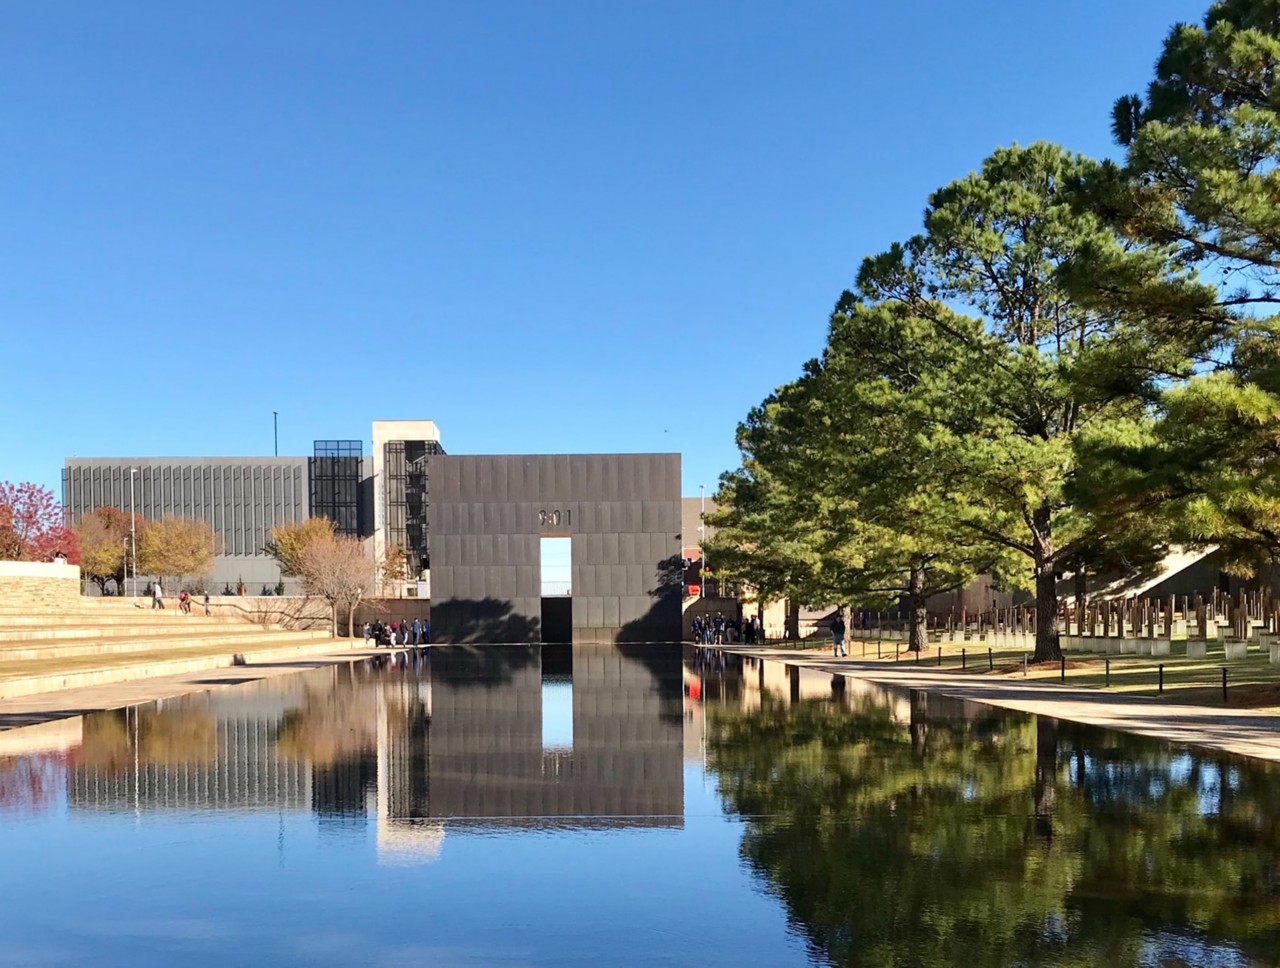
(105, 640)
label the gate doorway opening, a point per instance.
(557, 589)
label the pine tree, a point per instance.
(1006, 246)
(843, 495)
(1201, 177)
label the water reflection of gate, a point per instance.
(456, 737)
(486, 758)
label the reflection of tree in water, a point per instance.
(175, 734)
(31, 783)
(1006, 842)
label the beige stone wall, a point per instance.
(39, 585)
(296, 612)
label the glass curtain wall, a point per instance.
(405, 467)
(335, 483)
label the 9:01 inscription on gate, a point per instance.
(555, 519)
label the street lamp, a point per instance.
(133, 530)
(702, 535)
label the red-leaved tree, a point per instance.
(32, 526)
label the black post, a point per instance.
(1063, 665)
(918, 651)
(991, 662)
(939, 655)
(1224, 684)
(963, 664)
(1107, 682)
(877, 648)
(1160, 688)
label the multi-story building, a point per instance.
(381, 497)
(242, 499)
(399, 482)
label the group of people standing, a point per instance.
(185, 599)
(417, 632)
(719, 630)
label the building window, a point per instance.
(335, 483)
(405, 470)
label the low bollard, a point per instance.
(939, 655)
(991, 662)
(1063, 665)
(1024, 665)
(878, 649)
(1224, 683)
(963, 663)
(918, 651)
(1107, 680)
(1160, 686)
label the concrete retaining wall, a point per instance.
(38, 585)
(310, 613)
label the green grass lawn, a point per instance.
(1252, 682)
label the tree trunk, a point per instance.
(351, 619)
(919, 723)
(917, 617)
(1048, 647)
(333, 619)
(1046, 792)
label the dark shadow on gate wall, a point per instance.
(466, 621)
(661, 623)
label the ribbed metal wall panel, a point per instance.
(622, 510)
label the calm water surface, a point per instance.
(641, 806)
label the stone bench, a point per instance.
(1197, 648)
(1236, 650)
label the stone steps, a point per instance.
(26, 678)
(97, 630)
(52, 619)
(58, 650)
(100, 641)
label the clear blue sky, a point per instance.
(553, 226)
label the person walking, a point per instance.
(157, 595)
(206, 604)
(416, 628)
(837, 633)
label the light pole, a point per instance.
(275, 430)
(133, 530)
(702, 535)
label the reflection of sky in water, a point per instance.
(557, 713)
(1162, 949)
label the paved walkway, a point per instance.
(46, 706)
(1243, 731)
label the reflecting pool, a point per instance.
(635, 805)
